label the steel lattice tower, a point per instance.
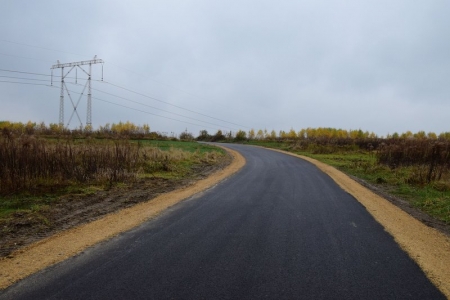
(64, 87)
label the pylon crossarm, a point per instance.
(78, 63)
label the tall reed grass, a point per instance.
(33, 164)
(430, 158)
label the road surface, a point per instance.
(278, 229)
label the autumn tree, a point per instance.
(251, 134)
(302, 134)
(240, 135)
(219, 136)
(260, 135)
(186, 136)
(273, 135)
(444, 136)
(146, 128)
(421, 135)
(292, 134)
(407, 135)
(203, 136)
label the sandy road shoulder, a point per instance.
(429, 248)
(65, 244)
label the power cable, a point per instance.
(40, 74)
(140, 103)
(29, 83)
(117, 104)
(149, 97)
(25, 57)
(23, 44)
(12, 77)
(117, 66)
(126, 99)
(149, 113)
(137, 93)
(146, 112)
(22, 72)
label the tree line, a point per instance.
(314, 134)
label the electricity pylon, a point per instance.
(87, 84)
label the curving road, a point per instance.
(278, 229)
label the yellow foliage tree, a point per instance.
(273, 135)
(251, 134)
(260, 135)
(292, 134)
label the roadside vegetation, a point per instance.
(412, 166)
(48, 172)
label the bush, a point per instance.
(186, 136)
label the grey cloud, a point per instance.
(381, 66)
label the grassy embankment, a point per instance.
(406, 182)
(35, 171)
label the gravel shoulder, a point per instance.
(107, 215)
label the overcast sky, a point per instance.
(381, 66)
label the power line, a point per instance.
(159, 82)
(29, 83)
(23, 44)
(117, 104)
(140, 103)
(143, 95)
(146, 112)
(23, 72)
(12, 77)
(120, 67)
(40, 74)
(137, 93)
(140, 94)
(24, 57)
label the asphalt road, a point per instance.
(278, 229)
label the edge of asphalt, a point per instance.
(65, 244)
(428, 247)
